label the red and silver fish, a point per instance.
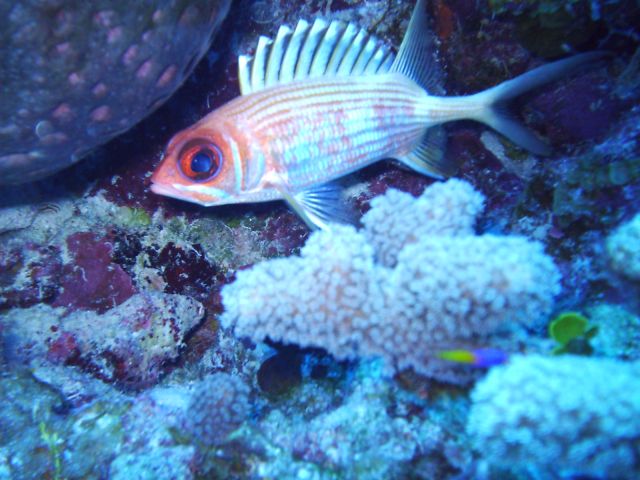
(322, 101)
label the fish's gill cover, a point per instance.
(559, 417)
(75, 73)
(447, 287)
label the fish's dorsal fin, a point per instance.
(312, 50)
(416, 57)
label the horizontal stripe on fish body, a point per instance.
(389, 84)
(318, 130)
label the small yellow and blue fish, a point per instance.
(327, 99)
(481, 357)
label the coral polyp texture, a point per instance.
(559, 417)
(623, 247)
(397, 219)
(218, 406)
(421, 283)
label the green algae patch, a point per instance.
(134, 217)
(572, 332)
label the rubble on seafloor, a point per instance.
(110, 296)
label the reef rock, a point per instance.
(129, 344)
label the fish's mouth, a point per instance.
(168, 191)
(192, 194)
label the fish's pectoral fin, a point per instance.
(319, 206)
(428, 157)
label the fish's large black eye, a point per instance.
(200, 161)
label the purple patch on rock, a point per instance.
(185, 270)
(92, 281)
(131, 344)
(286, 233)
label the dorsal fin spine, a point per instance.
(348, 34)
(288, 69)
(244, 76)
(309, 48)
(365, 55)
(375, 61)
(276, 56)
(259, 62)
(351, 55)
(326, 46)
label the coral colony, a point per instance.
(482, 326)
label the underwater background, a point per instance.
(487, 326)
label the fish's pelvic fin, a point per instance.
(320, 206)
(428, 157)
(312, 50)
(495, 113)
(416, 57)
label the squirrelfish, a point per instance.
(324, 100)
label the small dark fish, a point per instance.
(74, 73)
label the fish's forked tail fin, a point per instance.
(494, 100)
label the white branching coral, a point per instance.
(413, 281)
(397, 219)
(559, 417)
(623, 247)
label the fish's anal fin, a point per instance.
(416, 57)
(428, 157)
(319, 206)
(312, 50)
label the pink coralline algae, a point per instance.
(92, 281)
(129, 344)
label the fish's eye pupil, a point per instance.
(201, 162)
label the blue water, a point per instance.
(482, 327)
